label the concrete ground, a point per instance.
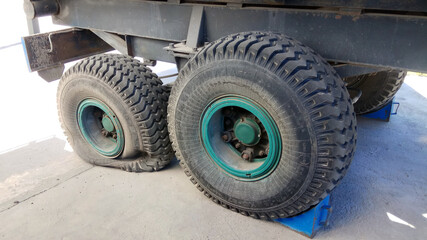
(47, 192)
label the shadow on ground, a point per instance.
(386, 176)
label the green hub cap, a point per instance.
(234, 127)
(247, 131)
(107, 123)
(100, 127)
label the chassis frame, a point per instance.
(356, 37)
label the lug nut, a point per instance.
(237, 145)
(104, 132)
(248, 154)
(115, 135)
(225, 137)
(261, 153)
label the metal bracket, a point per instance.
(235, 4)
(150, 63)
(52, 74)
(194, 40)
(49, 51)
(33, 26)
(324, 221)
(181, 52)
(397, 104)
(195, 28)
(114, 40)
(184, 50)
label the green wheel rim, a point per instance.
(212, 125)
(100, 127)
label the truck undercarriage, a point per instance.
(263, 113)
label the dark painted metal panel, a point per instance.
(397, 5)
(151, 49)
(394, 5)
(139, 18)
(388, 41)
(368, 39)
(48, 50)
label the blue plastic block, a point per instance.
(383, 113)
(309, 222)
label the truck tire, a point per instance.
(113, 112)
(378, 89)
(262, 125)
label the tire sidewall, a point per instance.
(79, 87)
(295, 170)
(378, 89)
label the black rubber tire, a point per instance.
(136, 96)
(304, 96)
(378, 89)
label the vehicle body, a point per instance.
(231, 56)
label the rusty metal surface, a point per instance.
(47, 50)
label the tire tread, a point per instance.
(324, 94)
(144, 95)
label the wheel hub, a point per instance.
(107, 123)
(241, 138)
(100, 127)
(247, 131)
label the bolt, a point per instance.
(104, 132)
(237, 145)
(224, 137)
(261, 153)
(115, 135)
(248, 154)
